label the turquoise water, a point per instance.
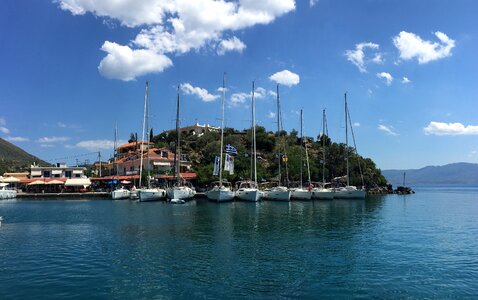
(415, 246)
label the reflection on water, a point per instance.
(421, 245)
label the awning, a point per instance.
(11, 179)
(55, 182)
(77, 171)
(161, 163)
(78, 182)
(37, 182)
(36, 173)
(56, 172)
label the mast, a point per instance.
(115, 150)
(142, 135)
(178, 145)
(323, 148)
(302, 141)
(307, 159)
(279, 132)
(346, 140)
(254, 135)
(222, 126)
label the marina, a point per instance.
(381, 247)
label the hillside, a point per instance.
(13, 158)
(451, 174)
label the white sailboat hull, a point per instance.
(277, 194)
(300, 194)
(134, 195)
(8, 194)
(180, 192)
(120, 194)
(249, 194)
(151, 195)
(324, 194)
(349, 192)
(220, 195)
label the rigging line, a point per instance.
(355, 147)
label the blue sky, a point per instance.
(71, 69)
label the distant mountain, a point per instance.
(451, 174)
(13, 158)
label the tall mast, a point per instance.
(222, 126)
(254, 135)
(115, 150)
(178, 145)
(323, 148)
(306, 153)
(302, 141)
(142, 135)
(279, 133)
(347, 140)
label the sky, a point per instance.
(72, 70)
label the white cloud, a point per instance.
(233, 44)
(405, 80)
(387, 129)
(201, 93)
(126, 64)
(439, 128)
(388, 78)
(174, 26)
(53, 139)
(285, 77)
(17, 139)
(357, 56)
(95, 145)
(47, 145)
(4, 130)
(356, 124)
(312, 3)
(239, 98)
(260, 93)
(412, 46)
(271, 115)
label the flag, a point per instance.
(216, 166)
(229, 164)
(285, 158)
(231, 149)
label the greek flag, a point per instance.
(216, 166)
(231, 149)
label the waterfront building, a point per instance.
(197, 129)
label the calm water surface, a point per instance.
(416, 246)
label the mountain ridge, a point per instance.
(460, 173)
(14, 158)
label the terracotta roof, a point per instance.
(133, 144)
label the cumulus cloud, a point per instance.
(386, 76)
(312, 3)
(387, 129)
(271, 115)
(201, 93)
(285, 77)
(412, 46)
(53, 139)
(17, 139)
(239, 98)
(439, 128)
(233, 44)
(4, 129)
(95, 145)
(357, 56)
(126, 64)
(174, 27)
(405, 80)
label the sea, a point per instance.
(419, 246)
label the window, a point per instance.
(68, 174)
(164, 154)
(47, 174)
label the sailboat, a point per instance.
(349, 191)
(322, 192)
(118, 193)
(300, 193)
(248, 190)
(222, 190)
(149, 193)
(278, 192)
(179, 191)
